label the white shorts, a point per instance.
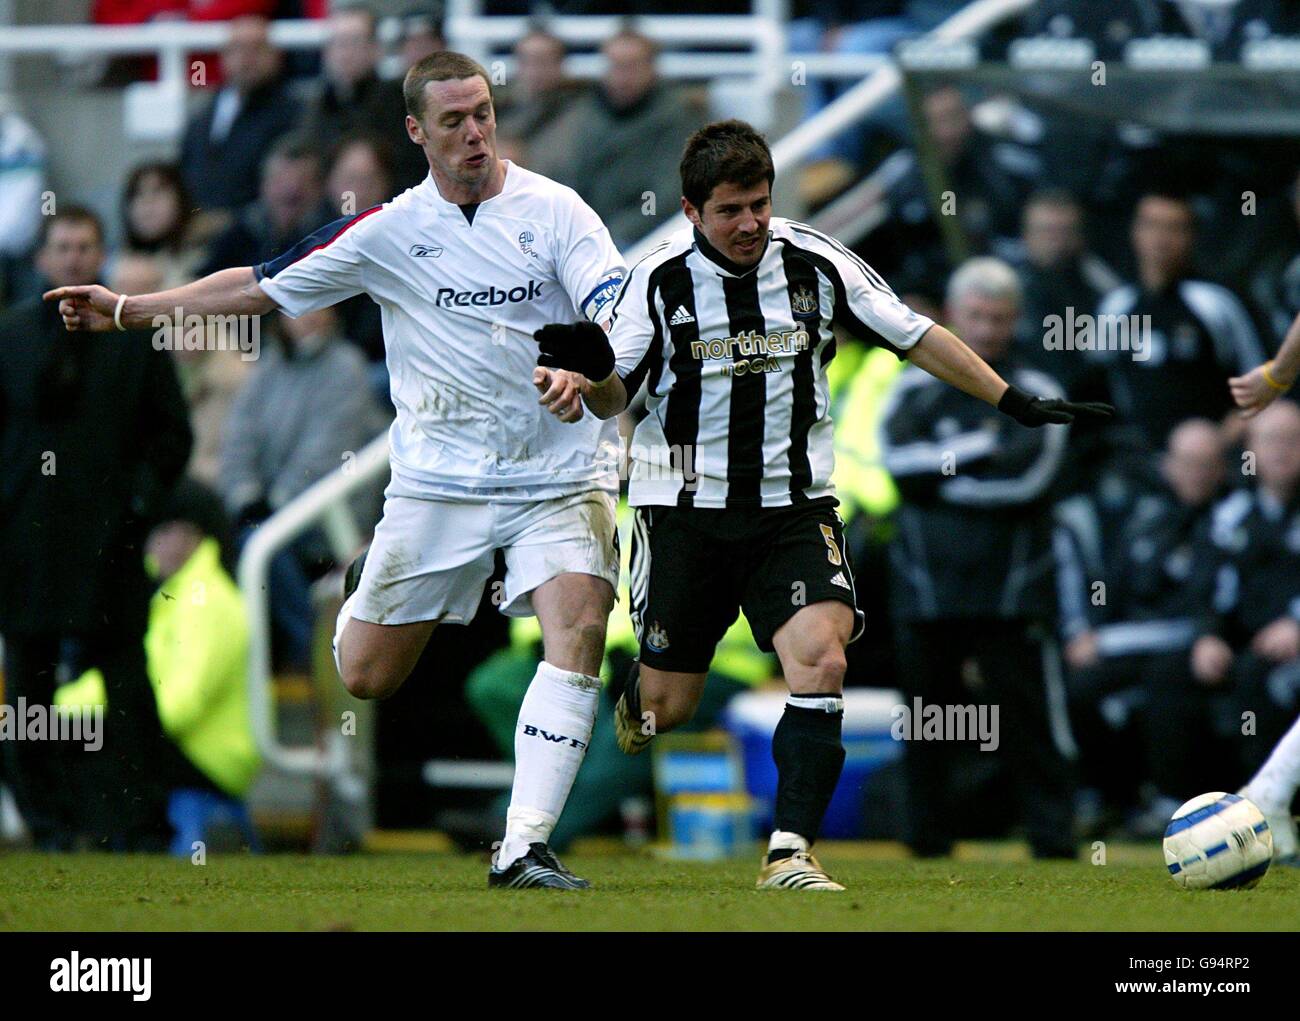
(431, 558)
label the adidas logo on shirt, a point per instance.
(841, 581)
(681, 317)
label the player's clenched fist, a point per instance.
(89, 307)
(579, 347)
(1256, 390)
(561, 392)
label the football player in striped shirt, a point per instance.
(729, 325)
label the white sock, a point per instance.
(345, 615)
(783, 841)
(1274, 786)
(551, 739)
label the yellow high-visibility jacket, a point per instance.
(197, 652)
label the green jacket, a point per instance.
(197, 651)
(860, 380)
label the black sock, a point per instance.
(809, 757)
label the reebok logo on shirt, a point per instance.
(446, 297)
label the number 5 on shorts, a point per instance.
(832, 550)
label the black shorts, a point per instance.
(694, 569)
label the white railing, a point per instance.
(324, 505)
(174, 42)
(854, 105)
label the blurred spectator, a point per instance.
(127, 68)
(421, 34)
(637, 185)
(986, 185)
(972, 571)
(22, 181)
(305, 408)
(1129, 655)
(197, 654)
(1110, 25)
(1223, 24)
(197, 643)
(360, 178)
(533, 103)
(291, 204)
(1058, 275)
(847, 27)
(1248, 638)
(93, 434)
(223, 147)
(1197, 334)
(210, 374)
(1273, 264)
(158, 219)
(351, 98)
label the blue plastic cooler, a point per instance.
(868, 715)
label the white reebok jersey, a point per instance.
(461, 292)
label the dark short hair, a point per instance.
(729, 152)
(1168, 192)
(538, 28)
(1060, 197)
(379, 148)
(170, 175)
(627, 31)
(353, 9)
(443, 66)
(70, 213)
(294, 147)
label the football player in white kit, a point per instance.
(466, 267)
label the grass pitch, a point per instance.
(987, 888)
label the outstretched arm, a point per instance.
(226, 292)
(1259, 387)
(941, 353)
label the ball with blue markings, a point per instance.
(1218, 841)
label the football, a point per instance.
(1218, 841)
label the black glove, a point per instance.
(1027, 409)
(579, 347)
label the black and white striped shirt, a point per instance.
(735, 362)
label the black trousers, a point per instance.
(1197, 738)
(987, 662)
(115, 796)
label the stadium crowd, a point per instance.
(1130, 597)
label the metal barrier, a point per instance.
(325, 504)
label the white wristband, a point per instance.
(117, 313)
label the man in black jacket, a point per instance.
(1248, 637)
(973, 576)
(93, 434)
(224, 145)
(1129, 650)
